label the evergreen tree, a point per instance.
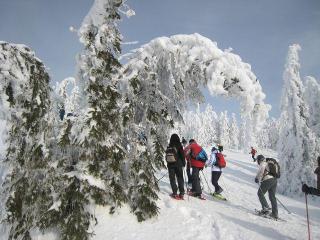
(224, 129)
(296, 142)
(26, 97)
(99, 137)
(234, 133)
(312, 96)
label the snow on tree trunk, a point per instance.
(296, 145)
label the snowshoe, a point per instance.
(268, 215)
(196, 196)
(262, 212)
(176, 196)
(219, 196)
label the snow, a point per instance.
(213, 219)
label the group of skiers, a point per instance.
(181, 154)
(195, 159)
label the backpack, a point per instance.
(171, 154)
(220, 161)
(274, 167)
(202, 156)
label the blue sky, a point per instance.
(260, 31)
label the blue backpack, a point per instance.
(202, 156)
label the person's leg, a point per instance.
(264, 186)
(172, 178)
(214, 179)
(189, 173)
(196, 188)
(179, 174)
(272, 196)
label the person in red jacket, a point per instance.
(191, 151)
(253, 152)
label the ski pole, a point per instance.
(207, 182)
(307, 215)
(162, 177)
(283, 206)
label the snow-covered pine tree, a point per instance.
(150, 119)
(296, 142)
(224, 129)
(208, 126)
(268, 135)
(25, 97)
(234, 133)
(312, 96)
(99, 135)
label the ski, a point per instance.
(218, 196)
(258, 213)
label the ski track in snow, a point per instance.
(213, 219)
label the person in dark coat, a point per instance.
(310, 190)
(176, 168)
(317, 172)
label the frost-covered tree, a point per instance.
(100, 130)
(224, 129)
(267, 137)
(234, 133)
(296, 145)
(312, 96)
(209, 126)
(25, 98)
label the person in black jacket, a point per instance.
(176, 168)
(310, 190)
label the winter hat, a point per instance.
(260, 158)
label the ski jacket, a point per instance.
(263, 170)
(212, 162)
(253, 151)
(190, 152)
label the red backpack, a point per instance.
(221, 162)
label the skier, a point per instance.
(310, 190)
(191, 151)
(317, 172)
(215, 170)
(253, 153)
(175, 168)
(268, 184)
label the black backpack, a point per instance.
(274, 167)
(171, 154)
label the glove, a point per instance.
(256, 180)
(305, 189)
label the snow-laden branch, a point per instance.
(193, 61)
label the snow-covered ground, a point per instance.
(213, 219)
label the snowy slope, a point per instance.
(212, 219)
